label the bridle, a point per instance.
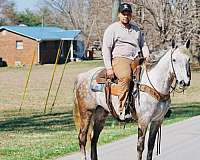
(174, 88)
(174, 73)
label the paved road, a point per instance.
(180, 141)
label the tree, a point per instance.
(115, 6)
(7, 12)
(163, 20)
(29, 18)
(48, 18)
(86, 15)
(73, 11)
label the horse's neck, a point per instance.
(159, 76)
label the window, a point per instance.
(19, 44)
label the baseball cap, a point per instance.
(125, 7)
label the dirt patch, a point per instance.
(13, 82)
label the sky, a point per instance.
(21, 5)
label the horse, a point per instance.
(91, 110)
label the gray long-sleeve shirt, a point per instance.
(119, 41)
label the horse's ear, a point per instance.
(173, 43)
(187, 44)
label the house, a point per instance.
(19, 43)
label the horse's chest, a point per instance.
(160, 110)
(150, 108)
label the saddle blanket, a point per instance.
(96, 87)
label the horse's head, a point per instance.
(180, 64)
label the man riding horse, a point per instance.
(123, 46)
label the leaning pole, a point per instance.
(115, 6)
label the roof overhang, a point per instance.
(56, 34)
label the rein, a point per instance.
(153, 91)
(173, 87)
(159, 96)
(109, 100)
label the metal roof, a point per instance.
(43, 33)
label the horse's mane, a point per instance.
(155, 58)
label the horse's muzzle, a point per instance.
(182, 84)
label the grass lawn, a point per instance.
(32, 135)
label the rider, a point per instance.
(122, 43)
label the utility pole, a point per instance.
(43, 20)
(115, 6)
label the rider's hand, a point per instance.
(148, 59)
(110, 73)
(141, 60)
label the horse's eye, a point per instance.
(174, 60)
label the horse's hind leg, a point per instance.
(99, 121)
(142, 128)
(152, 136)
(84, 126)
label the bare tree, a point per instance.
(74, 13)
(101, 14)
(50, 18)
(115, 6)
(163, 20)
(7, 12)
(90, 16)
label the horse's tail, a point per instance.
(77, 116)
(76, 112)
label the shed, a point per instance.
(18, 43)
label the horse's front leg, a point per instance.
(152, 136)
(141, 139)
(99, 121)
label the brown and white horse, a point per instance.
(91, 108)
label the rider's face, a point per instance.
(125, 17)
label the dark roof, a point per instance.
(43, 33)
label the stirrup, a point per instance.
(125, 116)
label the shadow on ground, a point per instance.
(185, 110)
(64, 121)
(39, 122)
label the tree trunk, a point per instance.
(115, 6)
